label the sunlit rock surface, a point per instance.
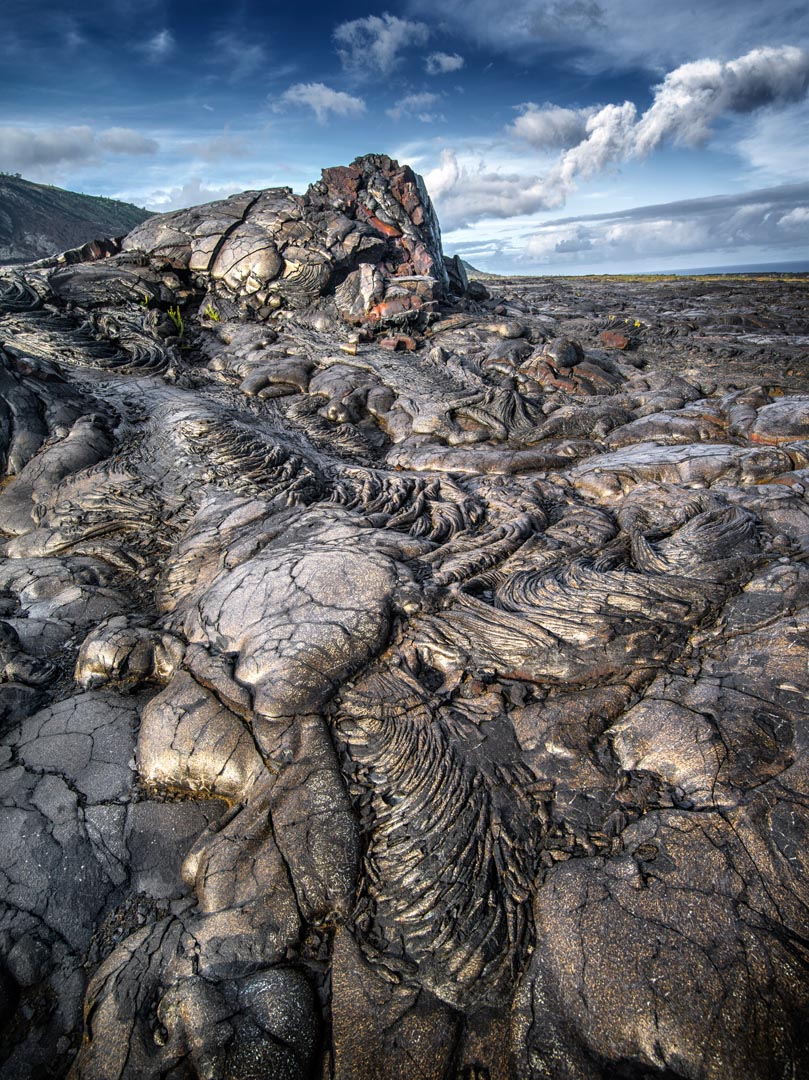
(401, 676)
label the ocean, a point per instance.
(743, 268)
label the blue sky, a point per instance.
(556, 136)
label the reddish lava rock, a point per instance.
(613, 340)
(399, 343)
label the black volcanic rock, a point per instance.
(383, 704)
(37, 220)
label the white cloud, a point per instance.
(466, 192)
(415, 105)
(441, 63)
(685, 105)
(23, 149)
(375, 42)
(322, 100)
(550, 126)
(192, 193)
(609, 139)
(797, 218)
(694, 95)
(157, 47)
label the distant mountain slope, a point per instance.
(38, 220)
(472, 271)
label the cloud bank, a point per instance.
(769, 218)
(464, 194)
(618, 35)
(26, 149)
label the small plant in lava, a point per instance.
(176, 317)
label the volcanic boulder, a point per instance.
(365, 234)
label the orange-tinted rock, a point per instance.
(398, 305)
(399, 343)
(381, 226)
(613, 340)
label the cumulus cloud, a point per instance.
(322, 100)
(158, 47)
(550, 127)
(693, 96)
(684, 107)
(768, 219)
(609, 135)
(441, 63)
(417, 105)
(373, 44)
(465, 193)
(24, 149)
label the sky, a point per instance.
(555, 136)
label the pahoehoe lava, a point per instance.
(402, 675)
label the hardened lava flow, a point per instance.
(402, 675)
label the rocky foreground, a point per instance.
(402, 676)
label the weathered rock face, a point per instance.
(380, 703)
(365, 234)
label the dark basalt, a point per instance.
(401, 676)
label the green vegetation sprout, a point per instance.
(177, 318)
